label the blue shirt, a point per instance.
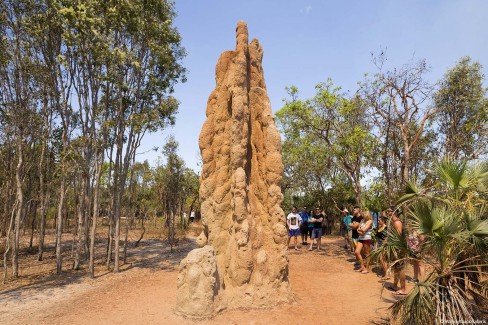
(347, 220)
(304, 215)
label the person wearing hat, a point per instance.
(346, 230)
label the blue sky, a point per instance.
(306, 42)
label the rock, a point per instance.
(196, 283)
(240, 188)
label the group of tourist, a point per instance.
(308, 224)
(357, 230)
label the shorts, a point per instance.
(303, 230)
(366, 241)
(293, 232)
(316, 233)
(399, 265)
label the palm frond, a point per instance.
(451, 173)
(412, 191)
(417, 307)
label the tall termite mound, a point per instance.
(244, 261)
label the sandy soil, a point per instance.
(326, 291)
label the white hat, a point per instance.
(345, 210)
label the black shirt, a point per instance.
(381, 235)
(355, 233)
(317, 223)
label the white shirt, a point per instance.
(293, 220)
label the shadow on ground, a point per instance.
(151, 254)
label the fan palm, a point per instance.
(451, 218)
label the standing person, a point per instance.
(192, 216)
(346, 229)
(304, 225)
(316, 220)
(380, 239)
(365, 241)
(414, 240)
(311, 214)
(398, 268)
(293, 220)
(356, 219)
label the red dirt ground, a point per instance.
(326, 291)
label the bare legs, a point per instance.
(399, 275)
(366, 248)
(418, 270)
(289, 238)
(319, 241)
(357, 252)
(367, 251)
(384, 265)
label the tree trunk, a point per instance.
(143, 230)
(87, 213)
(126, 235)
(42, 227)
(19, 209)
(59, 227)
(111, 212)
(33, 224)
(96, 209)
(7, 248)
(81, 218)
(170, 237)
(117, 237)
(358, 191)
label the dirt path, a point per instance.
(326, 291)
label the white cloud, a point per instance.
(306, 9)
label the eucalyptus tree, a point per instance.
(463, 110)
(19, 99)
(146, 65)
(124, 59)
(331, 129)
(170, 180)
(399, 101)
